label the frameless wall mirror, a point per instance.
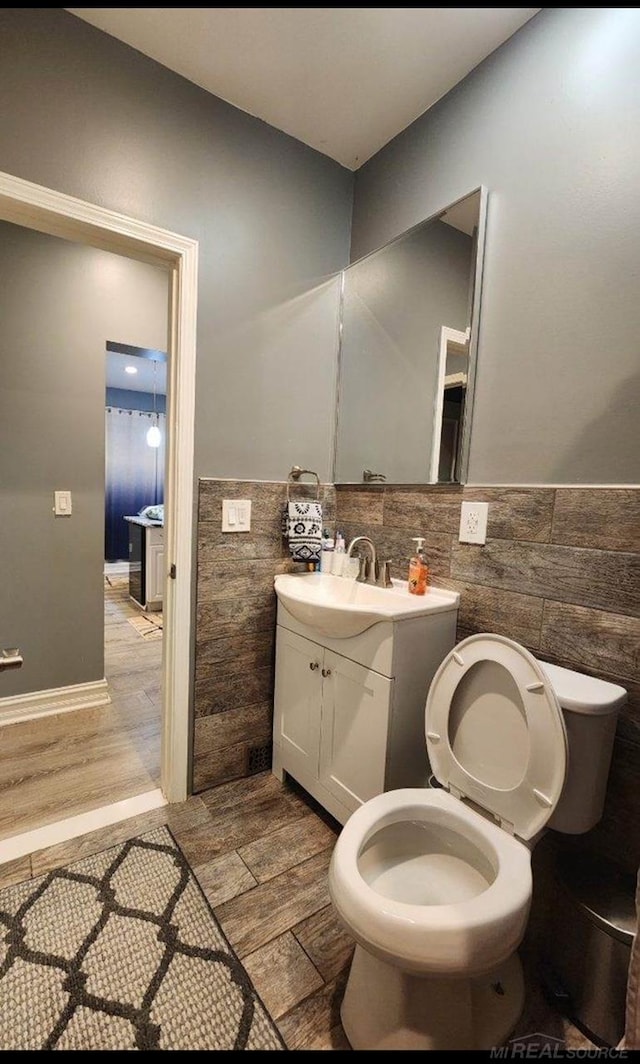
(410, 314)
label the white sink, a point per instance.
(339, 607)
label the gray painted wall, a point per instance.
(87, 115)
(59, 304)
(395, 303)
(550, 124)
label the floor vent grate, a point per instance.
(259, 759)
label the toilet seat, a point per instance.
(465, 937)
(495, 732)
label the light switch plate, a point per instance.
(62, 506)
(236, 515)
(473, 522)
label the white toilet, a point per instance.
(435, 884)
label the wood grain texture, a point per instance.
(241, 811)
(608, 518)
(326, 942)
(395, 544)
(211, 652)
(59, 766)
(223, 877)
(182, 816)
(607, 580)
(16, 872)
(315, 1022)
(489, 609)
(224, 617)
(282, 974)
(290, 845)
(235, 578)
(249, 793)
(212, 734)
(357, 507)
(608, 642)
(264, 540)
(275, 906)
(236, 685)
(267, 497)
(515, 513)
(65, 853)
(432, 511)
(228, 764)
(254, 652)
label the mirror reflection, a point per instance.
(407, 354)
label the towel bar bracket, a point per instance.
(294, 475)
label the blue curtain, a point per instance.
(134, 473)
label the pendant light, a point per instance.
(154, 437)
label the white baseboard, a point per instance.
(72, 827)
(57, 700)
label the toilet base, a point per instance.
(387, 1008)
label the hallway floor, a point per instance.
(58, 766)
(260, 851)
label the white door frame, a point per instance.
(447, 336)
(48, 211)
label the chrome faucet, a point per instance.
(371, 571)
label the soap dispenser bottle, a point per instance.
(418, 569)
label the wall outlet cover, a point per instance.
(473, 522)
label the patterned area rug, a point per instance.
(148, 625)
(121, 951)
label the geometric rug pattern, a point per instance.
(122, 951)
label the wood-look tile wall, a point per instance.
(235, 623)
(559, 573)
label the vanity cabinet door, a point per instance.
(297, 702)
(355, 718)
(154, 573)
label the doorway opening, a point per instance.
(49, 212)
(449, 406)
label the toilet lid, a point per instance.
(495, 732)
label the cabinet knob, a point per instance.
(313, 665)
(326, 672)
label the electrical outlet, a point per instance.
(473, 522)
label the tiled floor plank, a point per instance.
(273, 907)
(273, 854)
(223, 878)
(326, 942)
(282, 974)
(315, 1022)
(69, 763)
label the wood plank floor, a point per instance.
(55, 767)
(260, 850)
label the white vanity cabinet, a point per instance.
(146, 562)
(331, 718)
(154, 568)
(349, 713)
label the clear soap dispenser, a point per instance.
(418, 569)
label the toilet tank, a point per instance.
(590, 710)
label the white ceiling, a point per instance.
(343, 80)
(143, 380)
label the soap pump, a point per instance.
(418, 569)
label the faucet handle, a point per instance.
(383, 576)
(363, 574)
